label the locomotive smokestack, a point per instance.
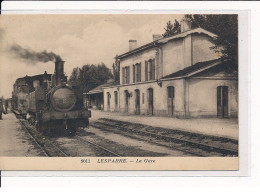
(59, 71)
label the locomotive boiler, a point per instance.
(55, 106)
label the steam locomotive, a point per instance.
(50, 103)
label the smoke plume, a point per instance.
(32, 56)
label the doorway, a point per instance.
(170, 101)
(108, 101)
(137, 102)
(126, 100)
(116, 100)
(222, 102)
(150, 101)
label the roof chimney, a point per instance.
(132, 44)
(156, 37)
(185, 24)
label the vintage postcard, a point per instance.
(119, 92)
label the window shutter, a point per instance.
(153, 69)
(150, 70)
(133, 73)
(139, 72)
(123, 75)
(146, 70)
(128, 74)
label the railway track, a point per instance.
(141, 138)
(50, 149)
(46, 146)
(182, 142)
(96, 145)
(178, 142)
(37, 143)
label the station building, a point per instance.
(95, 97)
(178, 76)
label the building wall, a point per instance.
(159, 100)
(194, 98)
(173, 57)
(201, 51)
(182, 53)
(137, 58)
(112, 99)
(203, 97)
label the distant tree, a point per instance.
(116, 70)
(172, 29)
(90, 76)
(225, 26)
(74, 77)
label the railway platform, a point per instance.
(227, 128)
(14, 141)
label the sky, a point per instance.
(78, 39)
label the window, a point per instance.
(126, 74)
(150, 70)
(137, 72)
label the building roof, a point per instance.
(194, 69)
(99, 89)
(167, 39)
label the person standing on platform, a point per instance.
(1, 108)
(6, 106)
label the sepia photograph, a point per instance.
(119, 92)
